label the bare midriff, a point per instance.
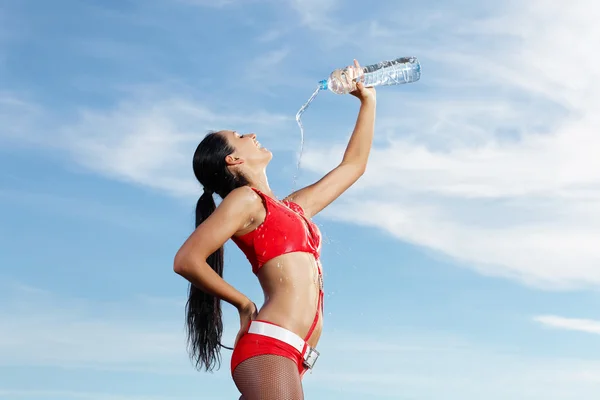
(290, 283)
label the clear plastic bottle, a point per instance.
(399, 71)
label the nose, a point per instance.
(252, 135)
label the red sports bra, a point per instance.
(284, 230)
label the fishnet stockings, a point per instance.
(268, 377)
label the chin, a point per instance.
(268, 154)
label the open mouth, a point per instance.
(257, 143)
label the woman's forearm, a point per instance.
(359, 145)
(201, 275)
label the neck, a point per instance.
(258, 180)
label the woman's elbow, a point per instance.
(181, 263)
(361, 170)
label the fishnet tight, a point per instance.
(268, 377)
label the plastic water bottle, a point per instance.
(396, 72)
(341, 81)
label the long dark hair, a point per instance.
(204, 317)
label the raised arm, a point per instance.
(232, 215)
(320, 194)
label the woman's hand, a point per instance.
(247, 314)
(361, 92)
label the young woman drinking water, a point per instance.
(275, 345)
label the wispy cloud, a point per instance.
(570, 324)
(18, 118)
(491, 160)
(151, 142)
(267, 70)
(315, 13)
(146, 139)
(496, 165)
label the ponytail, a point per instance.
(204, 316)
(203, 310)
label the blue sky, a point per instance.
(463, 265)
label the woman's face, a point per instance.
(247, 148)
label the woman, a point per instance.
(276, 345)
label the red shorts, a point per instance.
(252, 345)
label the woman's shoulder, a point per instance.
(243, 196)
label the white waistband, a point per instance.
(277, 332)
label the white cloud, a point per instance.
(571, 324)
(147, 138)
(491, 160)
(151, 142)
(497, 167)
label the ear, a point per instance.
(232, 160)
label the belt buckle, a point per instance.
(310, 357)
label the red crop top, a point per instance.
(284, 230)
